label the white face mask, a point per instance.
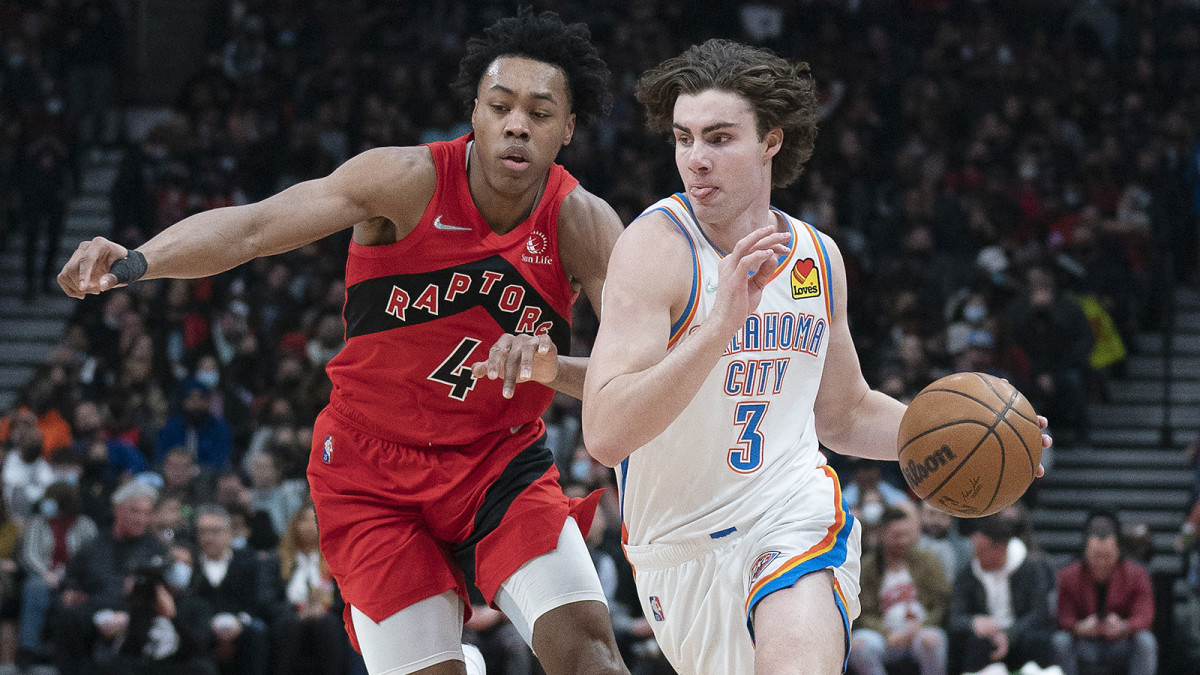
(179, 575)
(871, 512)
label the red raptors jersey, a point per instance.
(419, 312)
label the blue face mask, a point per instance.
(208, 378)
(49, 508)
(974, 313)
(178, 575)
(580, 469)
(239, 543)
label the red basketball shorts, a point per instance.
(399, 524)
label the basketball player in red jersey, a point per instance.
(466, 257)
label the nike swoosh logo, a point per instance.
(711, 287)
(437, 222)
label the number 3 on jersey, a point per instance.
(454, 371)
(749, 457)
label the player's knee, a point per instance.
(577, 639)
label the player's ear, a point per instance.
(774, 140)
(569, 133)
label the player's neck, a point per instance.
(726, 234)
(502, 209)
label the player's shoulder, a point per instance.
(392, 165)
(582, 206)
(655, 236)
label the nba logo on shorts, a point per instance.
(328, 453)
(656, 608)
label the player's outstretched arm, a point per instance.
(588, 229)
(375, 183)
(851, 418)
(634, 388)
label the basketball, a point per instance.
(970, 444)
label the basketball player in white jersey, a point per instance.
(723, 359)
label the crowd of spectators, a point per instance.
(1013, 184)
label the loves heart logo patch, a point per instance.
(806, 279)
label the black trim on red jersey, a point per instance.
(493, 283)
(522, 471)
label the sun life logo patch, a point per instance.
(535, 249)
(806, 279)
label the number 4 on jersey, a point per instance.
(454, 372)
(749, 457)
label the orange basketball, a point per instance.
(970, 444)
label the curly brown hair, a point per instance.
(782, 94)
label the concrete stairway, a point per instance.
(29, 331)
(1129, 463)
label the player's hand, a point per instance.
(985, 626)
(1113, 627)
(1046, 443)
(86, 273)
(1088, 627)
(519, 358)
(1000, 640)
(745, 272)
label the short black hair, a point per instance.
(997, 527)
(541, 37)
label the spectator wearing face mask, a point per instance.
(120, 458)
(1054, 333)
(93, 613)
(195, 428)
(26, 473)
(52, 537)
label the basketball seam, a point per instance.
(991, 431)
(1024, 445)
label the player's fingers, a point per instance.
(497, 355)
(1041, 471)
(525, 353)
(1047, 441)
(92, 253)
(511, 370)
(1043, 422)
(544, 344)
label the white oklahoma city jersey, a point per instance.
(747, 441)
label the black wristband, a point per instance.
(130, 268)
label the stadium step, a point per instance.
(1139, 416)
(1151, 367)
(28, 331)
(1121, 458)
(1073, 497)
(1186, 392)
(1073, 519)
(1156, 479)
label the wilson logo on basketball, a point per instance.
(916, 473)
(806, 279)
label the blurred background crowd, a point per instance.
(1013, 183)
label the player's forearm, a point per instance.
(571, 372)
(870, 430)
(204, 244)
(631, 409)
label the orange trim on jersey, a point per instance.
(824, 265)
(791, 252)
(819, 548)
(685, 321)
